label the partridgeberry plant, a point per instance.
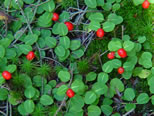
(44, 70)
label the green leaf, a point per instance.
(46, 100)
(116, 7)
(77, 101)
(144, 73)
(137, 2)
(152, 99)
(108, 26)
(50, 42)
(60, 51)
(62, 90)
(91, 76)
(129, 107)
(77, 86)
(21, 109)
(94, 25)
(91, 3)
(115, 18)
(15, 5)
(31, 39)
(64, 16)
(107, 101)
(90, 97)
(5, 42)
(116, 63)
(129, 94)
(141, 39)
(102, 78)
(99, 88)
(25, 48)
(49, 6)
(145, 60)
(67, 53)
(143, 98)
(37, 80)
(29, 106)
(94, 110)
(128, 45)
(107, 110)
(64, 76)
(107, 67)
(151, 1)
(127, 74)
(45, 19)
(3, 94)
(117, 84)
(28, 1)
(11, 68)
(97, 17)
(75, 44)
(107, 6)
(100, 2)
(10, 53)
(65, 42)
(29, 92)
(114, 45)
(62, 29)
(2, 51)
(77, 54)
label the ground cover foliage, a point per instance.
(94, 58)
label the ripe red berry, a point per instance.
(100, 33)
(121, 70)
(145, 4)
(122, 53)
(111, 55)
(55, 17)
(6, 75)
(70, 93)
(30, 55)
(69, 26)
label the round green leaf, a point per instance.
(64, 76)
(116, 63)
(99, 88)
(10, 53)
(152, 99)
(129, 94)
(77, 54)
(107, 67)
(129, 107)
(114, 45)
(97, 17)
(75, 44)
(64, 16)
(94, 110)
(11, 68)
(143, 98)
(50, 42)
(91, 76)
(21, 109)
(2, 53)
(60, 51)
(29, 92)
(29, 106)
(91, 3)
(46, 100)
(115, 19)
(77, 101)
(141, 39)
(102, 78)
(62, 90)
(94, 25)
(30, 39)
(62, 29)
(65, 42)
(108, 26)
(78, 86)
(107, 110)
(3, 94)
(25, 48)
(128, 45)
(37, 80)
(117, 84)
(90, 97)
(49, 6)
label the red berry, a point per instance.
(122, 53)
(120, 70)
(70, 93)
(30, 55)
(55, 17)
(69, 26)
(145, 4)
(100, 33)
(6, 75)
(111, 55)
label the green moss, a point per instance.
(83, 66)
